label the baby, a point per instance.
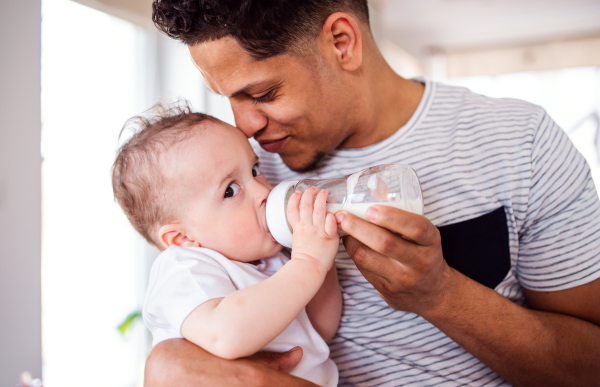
(192, 186)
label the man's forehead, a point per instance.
(227, 68)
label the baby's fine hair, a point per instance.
(137, 177)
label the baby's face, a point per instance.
(221, 193)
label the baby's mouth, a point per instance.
(273, 239)
(269, 231)
(267, 228)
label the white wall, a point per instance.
(20, 192)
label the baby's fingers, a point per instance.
(293, 213)
(306, 205)
(331, 228)
(320, 208)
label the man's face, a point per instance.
(292, 106)
(221, 194)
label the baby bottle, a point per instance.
(395, 185)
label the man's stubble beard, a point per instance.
(310, 165)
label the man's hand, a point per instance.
(556, 345)
(400, 254)
(279, 361)
(177, 362)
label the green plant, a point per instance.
(129, 320)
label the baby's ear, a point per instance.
(176, 234)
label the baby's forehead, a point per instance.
(208, 154)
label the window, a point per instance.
(93, 263)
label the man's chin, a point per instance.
(303, 164)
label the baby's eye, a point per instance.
(255, 170)
(232, 190)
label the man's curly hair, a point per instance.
(139, 185)
(264, 28)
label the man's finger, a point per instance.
(375, 237)
(373, 266)
(414, 227)
(280, 361)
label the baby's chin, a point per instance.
(265, 252)
(276, 248)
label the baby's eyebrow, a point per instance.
(230, 175)
(226, 178)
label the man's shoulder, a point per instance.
(456, 109)
(462, 99)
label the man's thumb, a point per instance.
(280, 361)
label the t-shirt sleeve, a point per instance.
(180, 281)
(559, 243)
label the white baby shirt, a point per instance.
(182, 278)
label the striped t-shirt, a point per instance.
(474, 155)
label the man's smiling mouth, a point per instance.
(273, 146)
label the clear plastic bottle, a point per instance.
(395, 185)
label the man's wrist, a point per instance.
(441, 302)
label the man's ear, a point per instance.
(342, 34)
(176, 234)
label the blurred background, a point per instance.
(72, 270)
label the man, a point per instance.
(504, 290)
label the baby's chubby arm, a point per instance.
(325, 308)
(245, 321)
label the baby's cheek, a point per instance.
(242, 236)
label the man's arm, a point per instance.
(178, 362)
(559, 344)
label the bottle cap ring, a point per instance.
(276, 212)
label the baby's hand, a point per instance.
(315, 236)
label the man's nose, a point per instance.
(248, 118)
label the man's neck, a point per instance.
(388, 104)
